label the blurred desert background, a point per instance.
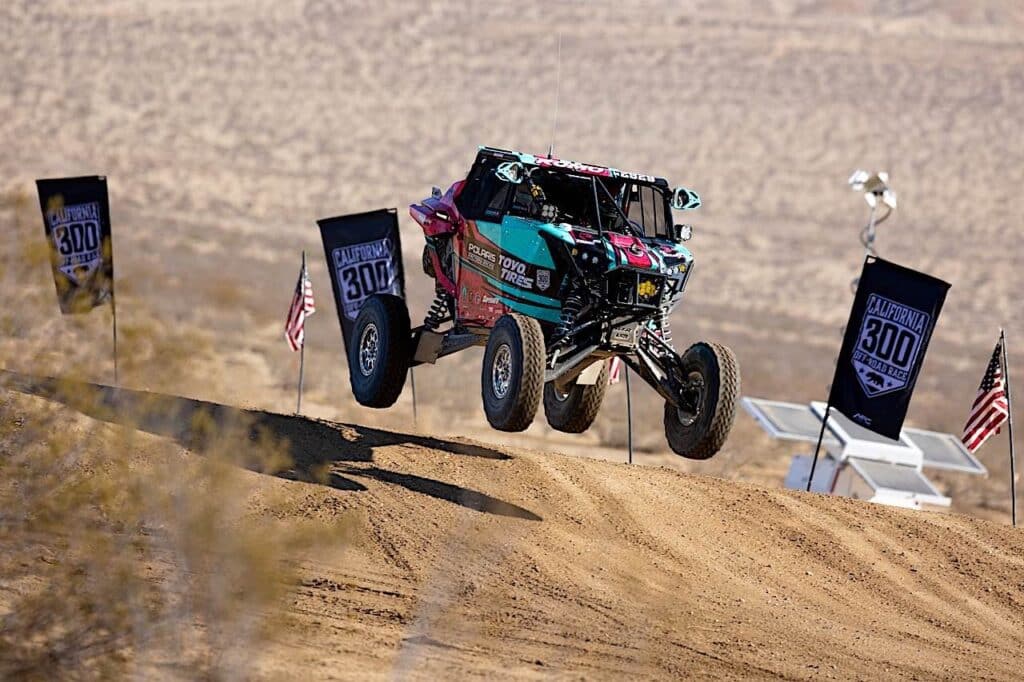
(226, 128)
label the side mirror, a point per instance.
(436, 192)
(682, 233)
(685, 199)
(511, 172)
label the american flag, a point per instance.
(615, 371)
(990, 408)
(302, 306)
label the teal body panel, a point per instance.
(518, 237)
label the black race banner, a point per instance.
(891, 323)
(364, 257)
(76, 217)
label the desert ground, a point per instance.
(226, 129)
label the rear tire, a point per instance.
(378, 357)
(700, 436)
(575, 410)
(512, 379)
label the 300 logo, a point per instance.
(365, 279)
(362, 271)
(77, 238)
(888, 345)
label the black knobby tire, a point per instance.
(512, 379)
(700, 436)
(574, 411)
(377, 379)
(428, 263)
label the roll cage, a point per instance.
(588, 197)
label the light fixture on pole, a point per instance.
(875, 187)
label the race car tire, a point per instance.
(512, 378)
(379, 351)
(573, 411)
(700, 436)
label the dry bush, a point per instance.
(120, 553)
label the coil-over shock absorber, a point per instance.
(664, 327)
(439, 311)
(571, 308)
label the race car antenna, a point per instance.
(558, 91)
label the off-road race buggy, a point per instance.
(555, 267)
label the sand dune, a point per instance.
(471, 559)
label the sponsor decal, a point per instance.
(543, 279)
(514, 272)
(625, 334)
(588, 169)
(483, 258)
(887, 345)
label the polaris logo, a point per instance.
(481, 252)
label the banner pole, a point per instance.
(302, 348)
(817, 448)
(1009, 405)
(113, 308)
(412, 379)
(629, 414)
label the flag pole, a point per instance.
(302, 348)
(629, 414)
(113, 307)
(412, 378)
(1009, 405)
(817, 448)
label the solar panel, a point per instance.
(860, 442)
(800, 471)
(945, 451)
(788, 421)
(894, 477)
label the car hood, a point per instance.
(645, 254)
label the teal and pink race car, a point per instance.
(556, 267)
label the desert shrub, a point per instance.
(120, 552)
(123, 553)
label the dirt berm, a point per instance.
(474, 560)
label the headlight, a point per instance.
(632, 288)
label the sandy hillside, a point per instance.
(471, 560)
(227, 128)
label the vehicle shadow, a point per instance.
(312, 445)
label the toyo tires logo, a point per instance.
(888, 345)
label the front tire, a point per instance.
(574, 411)
(378, 357)
(512, 378)
(701, 435)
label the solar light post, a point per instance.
(875, 188)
